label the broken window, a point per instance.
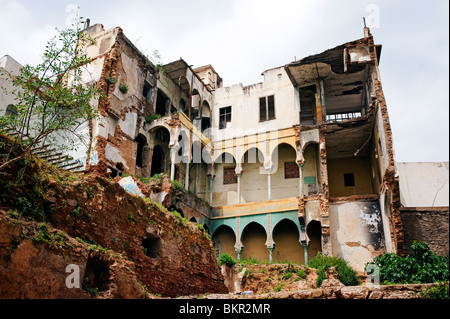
(225, 117)
(158, 160)
(267, 108)
(229, 176)
(308, 105)
(162, 104)
(349, 179)
(291, 170)
(147, 91)
(141, 144)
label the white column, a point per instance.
(186, 179)
(239, 187)
(269, 186)
(196, 178)
(173, 153)
(211, 179)
(300, 175)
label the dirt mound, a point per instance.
(169, 256)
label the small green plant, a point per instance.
(76, 212)
(177, 185)
(131, 218)
(248, 273)
(150, 118)
(301, 273)
(110, 80)
(28, 209)
(226, 259)
(123, 87)
(279, 287)
(346, 274)
(93, 291)
(287, 275)
(89, 192)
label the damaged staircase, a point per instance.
(52, 155)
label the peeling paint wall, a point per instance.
(356, 231)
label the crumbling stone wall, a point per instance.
(430, 225)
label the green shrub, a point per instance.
(346, 274)
(226, 259)
(123, 87)
(438, 292)
(424, 266)
(28, 209)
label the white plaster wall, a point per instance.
(244, 102)
(424, 184)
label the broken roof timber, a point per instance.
(343, 70)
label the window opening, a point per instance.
(225, 117)
(267, 108)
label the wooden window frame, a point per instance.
(224, 112)
(267, 108)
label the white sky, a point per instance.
(242, 38)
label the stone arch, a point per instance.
(206, 116)
(254, 154)
(286, 237)
(224, 239)
(253, 240)
(158, 161)
(224, 158)
(274, 155)
(141, 151)
(314, 233)
(196, 100)
(311, 168)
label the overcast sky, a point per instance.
(242, 38)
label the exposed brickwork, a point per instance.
(430, 225)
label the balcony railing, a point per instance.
(343, 116)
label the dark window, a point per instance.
(229, 176)
(147, 92)
(349, 179)
(266, 108)
(224, 117)
(141, 144)
(291, 170)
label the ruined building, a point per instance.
(299, 163)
